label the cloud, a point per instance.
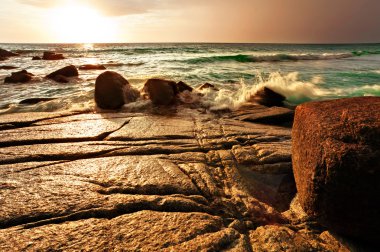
(40, 3)
(121, 8)
(109, 7)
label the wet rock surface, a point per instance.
(91, 67)
(5, 67)
(6, 54)
(267, 97)
(68, 71)
(112, 91)
(336, 156)
(52, 56)
(181, 181)
(161, 92)
(22, 76)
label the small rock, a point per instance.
(52, 56)
(36, 58)
(8, 67)
(17, 77)
(68, 71)
(6, 54)
(182, 86)
(161, 92)
(336, 157)
(208, 85)
(112, 91)
(268, 97)
(31, 101)
(92, 67)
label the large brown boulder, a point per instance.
(267, 97)
(336, 163)
(68, 71)
(19, 77)
(6, 54)
(161, 92)
(112, 91)
(52, 56)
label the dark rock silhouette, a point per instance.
(31, 101)
(112, 91)
(161, 92)
(208, 85)
(68, 71)
(36, 58)
(22, 76)
(92, 67)
(8, 67)
(52, 56)
(6, 54)
(336, 157)
(268, 97)
(182, 86)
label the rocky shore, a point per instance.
(178, 177)
(182, 180)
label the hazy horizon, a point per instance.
(180, 21)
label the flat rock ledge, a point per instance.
(186, 181)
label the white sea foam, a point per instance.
(289, 85)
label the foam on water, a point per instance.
(299, 72)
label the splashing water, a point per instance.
(299, 72)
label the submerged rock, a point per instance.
(31, 101)
(208, 85)
(36, 58)
(268, 97)
(6, 54)
(92, 67)
(68, 71)
(161, 92)
(19, 77)
(8, 67)
(112, 91)
(52, 56)
(336, 157)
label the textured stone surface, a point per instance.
(336, 157)
(185, 181)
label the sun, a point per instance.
(81, 24)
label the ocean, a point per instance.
(300, 72)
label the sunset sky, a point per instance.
(257, 21)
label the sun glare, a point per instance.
(81, 24)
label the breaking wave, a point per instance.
(269, 58)
(228, 96)
(243, 58)
(295, 90)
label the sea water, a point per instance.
(300, 72)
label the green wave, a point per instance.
(363, 53)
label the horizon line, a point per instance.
(257, 43)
